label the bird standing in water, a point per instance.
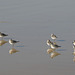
(73, 42)
(2, 35)
(12, 42)
(48, 42)
(54, 37)
(54, 46)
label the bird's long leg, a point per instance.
(2, 38)
(13, 46)
(54, 40)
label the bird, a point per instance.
(48, 42)
(12, 42)
(3, 35)
(54, 37)
(73, 42)
(54, 46)
(74, 47)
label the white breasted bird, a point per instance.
(54, 37)
(12, 42)
(2, 35)
(73, 42)
(54, 46)
(48, 42)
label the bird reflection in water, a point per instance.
(74, 59)
(50, 50)
(2, 42)
(54, 54)
(73, 53)
(13, 51)
(74, 50)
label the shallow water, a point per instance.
(31, 22)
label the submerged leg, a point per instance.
(2, 38)
(54, 40)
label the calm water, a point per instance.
(32, 22)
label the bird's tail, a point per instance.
(6, 35)
(18, 41)
(59, 46)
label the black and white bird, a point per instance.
(2, 35)
(49, 42)
(54, 37)
(73, 42)
(12, 42)
(54, 46)
(74, 47)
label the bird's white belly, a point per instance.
(52, 47)
(53, 38)
(10, 42)
(48, 44)
(1, 36)
(74, 43)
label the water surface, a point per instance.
(31, 22)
